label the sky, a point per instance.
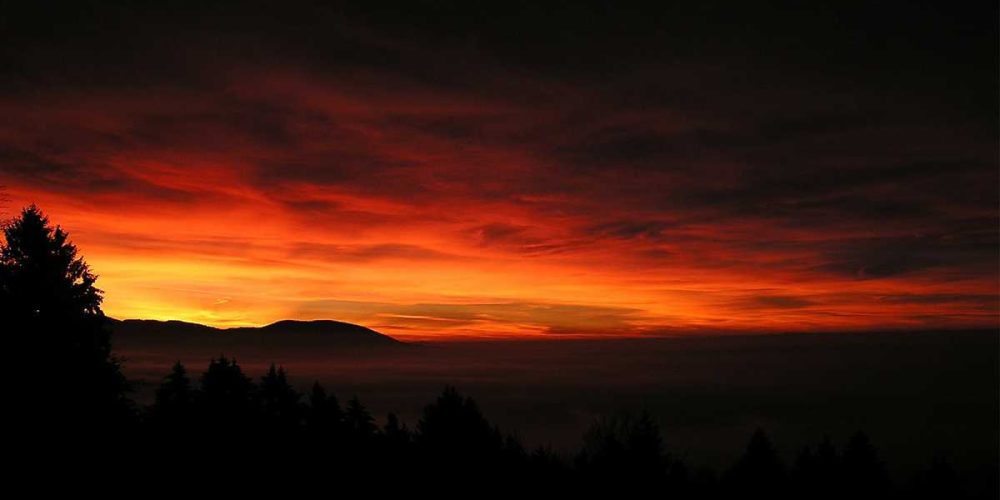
(442, 170)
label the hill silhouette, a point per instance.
(322, 327)
(290, 333)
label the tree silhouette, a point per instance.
(817, 473)
(453, 430)
(622, 456)
(279, 401)
(324, 418)
(175, 398)
(645, 446)
(395, 433)
(227, 400)
(543, 462)
(938, 480)
(42, 277)
(359, 423)
(395, 449)
(48, 300)
(759, 473)
(864, 475)
(624, 452)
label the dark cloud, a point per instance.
(987, 302)
(654, 150)
(962, 253)
(630, 229)
(522, 239)
(497, 232)
(775, 302)
(365, 253)
(71, 176)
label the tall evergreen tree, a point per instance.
(759, 473)
(324, 417)
(395, 434)
(279, 401)
(174, 398)
(359, 423)
(624, 448)
(939, 480)
(454, 430)
(816, 472)
(228, 398)
(864, 474)
(49, 302)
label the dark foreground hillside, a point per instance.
(919, 396)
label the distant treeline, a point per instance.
(73, 424)
(230, 417)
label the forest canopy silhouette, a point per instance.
(224, 424)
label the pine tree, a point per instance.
(228, 398)
(395, 433)
(279, 401)
(864, 473)
(41, 277)
(454, 429)
(759, 472)
(359, 422)
(174, 398)
(624, 447)
(49, 303)
(324, 418)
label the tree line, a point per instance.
(222, 424)
(621, 453)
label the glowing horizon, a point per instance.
(145, 278)
(434, 189)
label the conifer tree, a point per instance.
(49, 302)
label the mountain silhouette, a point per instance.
(288, 333)
(319, 327)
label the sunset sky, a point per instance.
(514, 170)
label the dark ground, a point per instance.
(916, 394)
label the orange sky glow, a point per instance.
(517, 207)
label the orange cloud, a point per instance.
(512, 209)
